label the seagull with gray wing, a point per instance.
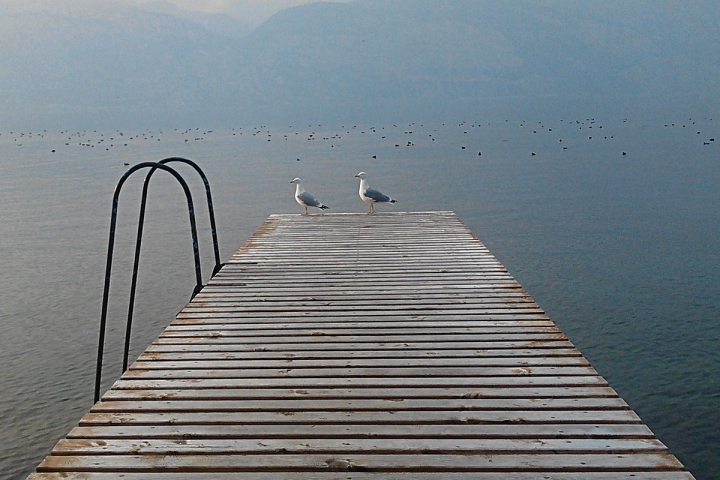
(304, 198)
(370, 195)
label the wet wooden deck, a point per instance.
(350, 346)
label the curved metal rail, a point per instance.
(111, 243)
(138, 244)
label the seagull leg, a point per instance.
(305, 209)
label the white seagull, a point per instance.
(304, 198)
(370, 195)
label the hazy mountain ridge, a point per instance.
(217, 23)
(330, 58)
(67, 63)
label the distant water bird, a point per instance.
(304, 198)
(370, 195)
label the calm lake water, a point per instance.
(621, 250)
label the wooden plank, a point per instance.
(463, 307)
(319, 375)
(654, 475)
(347, 363)
(440, 346)
(318, 352)
(356, 405)
(482, 462)
(211, 338)
(378, 330)
(153, 354)
(136, 430)
(497, 325)
(124, 390)
(359, 284)
(377, 298)
(388, 363)
(355, 446)
(362, 417)
(362, 315)
(149, 381)
(344, 310)
(335, 267)
(298, 288)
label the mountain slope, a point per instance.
(104, 60)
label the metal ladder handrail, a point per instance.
(211, 209)
(138, 244)
(111, 244)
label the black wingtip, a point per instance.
(324, 207)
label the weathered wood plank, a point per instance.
(606, 475)
(355, 446)
(357, 298)
(211, 338)
(340, 268)
(361, 417)
(518, 309)
(179, 325)
(482, 462)
(360, 278)
(526, 363)
(360, 284)
(380, 331)
(159, 355)
(373, 290)
(365, 405)
(125, 390)
(353, 363)
(132, 430)
(368, 382)
(550, 344)
(241, 305)
(378, 316)
(319, 375)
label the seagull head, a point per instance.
(296, 180)
(361, 175)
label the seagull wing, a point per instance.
(309, 200)
(376, 196)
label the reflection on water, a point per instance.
(620, 249)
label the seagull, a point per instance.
(370, 195)
(304, 198)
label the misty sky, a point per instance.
(268, 7)
(252, 11)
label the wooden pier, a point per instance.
(353, 346)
